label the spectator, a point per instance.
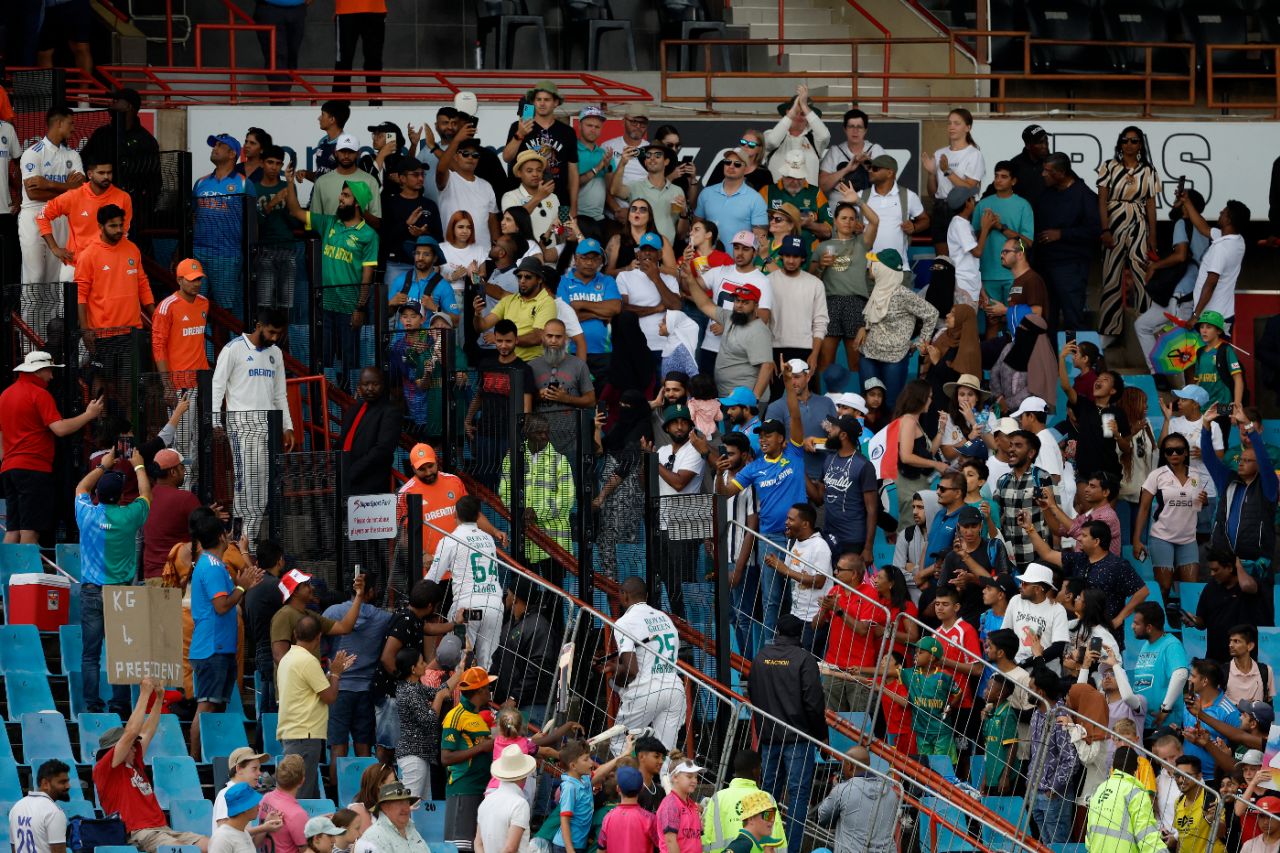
(230, 834)
(80, 207)
(548, 494)
(1193, 814)
(526, 656)
(426, 284)
(679, 818)
(502, 820)
(863, 808)
(857, 622)
(1223, 604)
(1102, 429)
(596, 299)
(799, 130)
(245, 766)
(1014, 227)
(849, 162)
(1247, 501)
(123, 782)
(49, 168)
(745, 355)
(1248, 679)
(1128, 185)
(973, 559)
(848, 492)
(36, 822)
(629, 825)
(1037, 619)
(260, 605)
(112, 294)
(1207, 682)
(1161, 668)
(890, 316)
(649, 293)
(363, 22)
(930, 694)
(759, 814)
(108, 557)
(959, 164)
(1096, 491)
(733, 205)
(805, 198)
(1016, 495)
(807, 565)
(1268, 837)
(1067, 223)
(1027, 369)
(408, 216)
(537, 198)
(575, 798)
(1028, 164)
(666, 200)
(1173, 532)
(324, 835)
(839, 262)
(554, 140)
(1052, 751)
(681, 472)
(786, 687)
(1215, 287)
(440, 493)
(1120, 816)
(298, 594)
(1089, 624)
(564, 384)
(635, 130)
(1024, 286)
(29, 422)
(131, 147)
(250, 392)
(594, 162)
(215, 602)
(529, 309)
(305, 696)
(219, 199)
(461, 189)
(1099, 568)
(370, 433)
(281, 804)
(351, 716)
(408, 629)
(419, 708)
(466, 751)
(620, 498)
(722, 812)
(645, 672)
(1172, 278)
(393, 828)
(486, 418)
(798, 331)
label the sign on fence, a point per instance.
(371, 517)
(144, 634)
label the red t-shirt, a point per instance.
(845, 647)
(166, 526)
(955, 641)
(127, 789)
(1083, 384)
(26, 411)
(912, 611)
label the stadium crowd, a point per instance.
(763, 331)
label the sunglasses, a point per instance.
(734, 164)
(778, 219)
(640, 207)
(1131, 140)
(1175, 451)
(748, 143)
(640, 120)
(525, 276)
(469, 155)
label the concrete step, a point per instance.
(829, 62)
(769, 15)
(826, 30)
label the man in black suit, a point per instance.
(370, 433)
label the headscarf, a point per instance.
(887, 282)
(941, 292)
(633, 422)
(964, 339)
(1091, 706)
(631, 367)
(1032, 355)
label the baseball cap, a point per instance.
(1270, 805)
(190, 269)
(168, 458)
(241, 797)
(466, 102)
(589, 246)
(930, 645)
(675, 413)
(1213, 318)
(794, 166)
(868, 384)
(411, 305)
(1006, 425)
(629, 781)
(884, 161)
(1034, 133)
(959, 195)
(969, 515)
(771, 425)
(226, 139)
(1195, 393)
(592, 112)
(1030, 404)
(321, 825)
(745, 238)
(421, 452)
(687, 766)
(361, 192)
(110, 487)
(792, 245)
(797, 365)
(475, 678)
(527, 155)
(1253, 758)
(346, 142)
(889, 258)
(849, 424)
(1005, 583)
(291, 580)
(749, 293)
(442, 317)
(449, 651)
(1260, 711)
(740, 396)
(241, 755)
(385, 127)
(651, 241)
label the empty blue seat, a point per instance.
(428, 817)
(17, 559)
(20, 649)
(221, 734)
(91, 728)
(195, 815)
(175, 779)
(6, 806)
(941, 765)
(270, 743)
(67, 556)
(350, 769)
(45, 736)
(10, 784)
(28, 693)
(117, 848)
(1196, 642)
(938, 838)
(6, 748)
(71, 647)
(1269, 646)
(179, 848)
(77, 808)
(1009, 808)
(168, 741)
(314, 808)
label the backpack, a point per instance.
(84, 834)
(1223, 366)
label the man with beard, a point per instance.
(370, 435)
(564, 385)
(680, 471)
(593, 163)
(746, 347)
(815, 410)
(112, 294)
(596, 299)
(440, 493)
(427, 146)
(666, 200)
(1017, 493)
(219, 223)
(326, 196)
(350, 257)
(80, 206)
(1028, 166)
(530, 308)
(410, 215)
(740, 415)
(674, 392)
(848, 490)
(722, 284)
(36, 823)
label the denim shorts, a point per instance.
(1167, 555)
(387, 721)
(351, 715)
(215, 677)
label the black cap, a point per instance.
(532, 265)
(386, 127)
(849, 424)
(1034, 133)
(1006, 583)
(473, 142)
(129, 96)
(771, 425)
(789, 625)
(969, 515)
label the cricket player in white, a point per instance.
(645, 673)
(48, 168)
(468, 554)
(250, 377)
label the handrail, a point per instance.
(1213, 78)
(231, 30)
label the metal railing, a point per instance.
(1269, 75)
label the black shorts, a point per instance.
(845, 316)
(64, 23)
(29, 499)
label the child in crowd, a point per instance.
(512, 729)
(410, 354)
(1217, 367)
(577, 804)
(350, 821)
(932, 695)
(999, 738)
(323, 835)
(634, 829)
(679, 819)
(877, 417)
(704, 404)
(1087, 359)
(1126, 735)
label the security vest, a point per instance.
(1122, 819)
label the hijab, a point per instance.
(887, 282)
(1091, 706)
(1031, 354)
(631, 367)
(964, 340)
(633, 423)
(941, 292)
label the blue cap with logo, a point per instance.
(651, 241)
(792, 245)
(591, 245)
(1194, 393)
(227, 139)
(740, 396)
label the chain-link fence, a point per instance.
(224, 225)
(181, 401)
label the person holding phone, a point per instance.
(1244, 520)
(551, 138)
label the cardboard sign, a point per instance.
(144, 634)
(371, 517)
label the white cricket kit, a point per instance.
(472, 563)
(655, 697)
(35, 822)
(53, 163)
(10, 150)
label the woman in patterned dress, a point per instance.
(1127, 188)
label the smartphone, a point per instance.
(526, 112)
(124, 446)
(722, 450)
(1071, 336)
(473, 614)
(460, 631)
(688, 158)
(1182, 186)
(1095, 644)
(237, 528)
(358, 571)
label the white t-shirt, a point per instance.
(48, 161)
(651, 636)
(228, 839)
(996, 468)
(889, 208)
(1049, 459)
(1046, 620)
(1224, 256)
(1190, 430)
(475, 197)
(502, 808)
(639, 290)
(565, 314)
(802, 556)
(544, 216)
(473, 566)
(10, 149)
(1176, 522)
(686, 458)
(35, 822)
(838, 154)
(634, 170)
(968, 162)
(723, 283)
(220, 804)
(960, 241)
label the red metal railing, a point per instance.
(1215, 79)
(231, 30)
(857, 7)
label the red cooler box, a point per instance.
(40, 600)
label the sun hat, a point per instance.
(1253, 758)
(36, 360)
(475, 678)
(794, 166)
(1213, 318)
(321, 825)
(545, 86)
(527, 155)
(242, 754)
(513, 765)
(241, 797)
(291, 580)
(1038, 573)
(850, 400)
(757, 802)
(966, 380)
(394, 792)
(788, 210)
(675, 413)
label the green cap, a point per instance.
(545, 86)
(890, 258)
(361, 192)
(930, 645)
(1213, 318)
(675, 413)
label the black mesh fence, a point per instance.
(181, 401)
(308, 514)
(246, 468)
(35, 318)
(162, 206)
(492, 420)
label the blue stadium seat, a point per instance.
(221, 734)
(45, 736)
(191, 816)
(76, 792)
(1269, 646)
(91, 728)
(6, 748)
(941, 765)
(176, 779)
(1009, 808)
(270, 743)
(180, 848)
(841, 742)
(1196, 642)
(77, 808)
(71, 647)
(67, 556)
(349, 770)
(117, 848)
(947, 840)
(6, 806)
(446, 847)
(977, 764)
(28, 693)
(20, 650)
(10, 784)
(17, 559)
(428, 817)
(168, 741)
(1190, 594)
(1074, 847)
(314, 808)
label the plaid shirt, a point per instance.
(1013, 494)
(548, 491)
(1055, 742)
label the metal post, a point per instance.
(413, 539)
(7, 336)
(341, 547)
(186, 229)
(204, 435)
(248, 247)
(515, 453)
(378, 318)
(135, 398)
(275, 478)
(651, 512)
(586, 492)
(315, 346)
(724, 562)
(448, 399)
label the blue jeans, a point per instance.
(1053, 818)
(91, 658)
(773, 586)
(341, 343)
(892, 373)
(746, 597)
(788, 773)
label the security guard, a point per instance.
(1121, 816)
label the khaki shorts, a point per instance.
(151, 840)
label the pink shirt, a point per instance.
(291, 837)
(682, 817)
(526, 745)
(1102, 513)
(629, 829)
